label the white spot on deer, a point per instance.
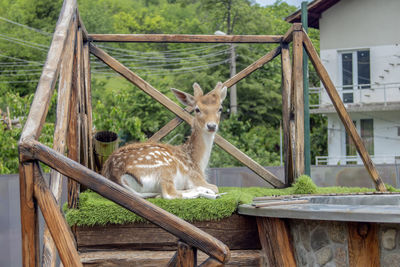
(139, 159)
(170, 160)
(135, 162)
(148, 157)
(157, 152)
(152, 154)
(140, 149)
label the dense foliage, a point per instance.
(123, 108)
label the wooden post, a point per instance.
(342, 112)
(88, 91)
(29, 217)
(297, 105)
(275, 241)
(186, 256)
(74, 132)
(363, 244)
(49, 256)
(286, 96)
(55, 221)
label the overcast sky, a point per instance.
(296, 3)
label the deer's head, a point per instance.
(208, 108)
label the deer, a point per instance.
(153, 169)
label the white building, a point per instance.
(360, 48)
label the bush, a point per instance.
(304, 185)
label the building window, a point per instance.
(355, 72)
(350, 147)
(367, 134)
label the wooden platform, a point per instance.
(237, 232)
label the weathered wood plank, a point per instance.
(29, 216)
(298, 103)
(55, 221)
(172, 262)
(237, 232)
(74, 131)
(288, 36)
(178, 227)
(88, 90)
(47, 81)
(342, 112)
(85, 34)
(230, 82)
(187, 256)
(183, 114)
(286, 96)
(139, 258)
(49, 255)
(211, 262)
(363, 244)
(275, 240)
(185, 38)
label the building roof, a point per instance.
(315, 9)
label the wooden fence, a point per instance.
(68, 61)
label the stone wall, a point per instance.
(325, 243)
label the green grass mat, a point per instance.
(96, 210)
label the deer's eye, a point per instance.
(197, 110)
(220, 109)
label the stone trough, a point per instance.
(339, 230)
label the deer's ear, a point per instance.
(197, 90)
(184, 98)
(223, 93)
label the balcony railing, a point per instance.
(358, 94)
(355, 160)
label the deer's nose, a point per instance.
(212, 127)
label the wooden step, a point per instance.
(146, 258)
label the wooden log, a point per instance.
(74, 133)
(288, 36)
(85, 34)
(230, 82)
(210, 262)
(178, 227)
(297, 106)
(286, 96)
(29, 216)
(49, 255)
(275, 241)
(183, 114)
(186, 256)
(342, 112)
(47, 81)
(185, 38)
(88, 90)
(55, 221)
(363, 244)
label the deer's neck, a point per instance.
(199, 146)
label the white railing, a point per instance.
(354, 160)
(358, 94)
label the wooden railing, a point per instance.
(71, 155)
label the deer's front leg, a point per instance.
(201, 184)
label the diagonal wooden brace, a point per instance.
(184, 114)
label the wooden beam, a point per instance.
(85, 34)
(275, 241)
(172, 262)
(297, 105)
(230, 82)
(49, 255)
(187, 256)
(88, 91)
(342, 112)
(184, 38)
(286, 90)
(363, 244)
(184, 114)
(211, 262)
(29, 217)
(47, 81)
(185, 231)
(288, 36)
(55, 221)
